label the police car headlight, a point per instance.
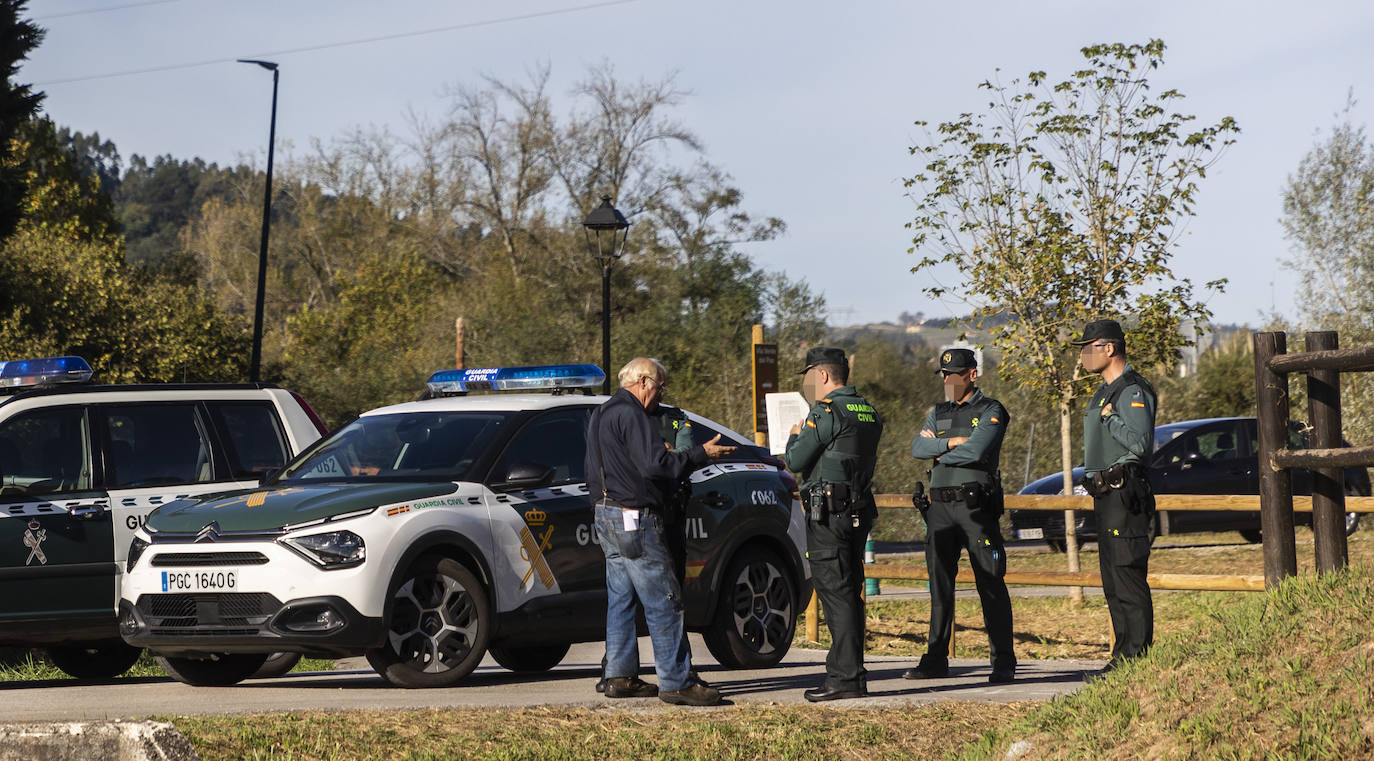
(337, 549)
(136, 548)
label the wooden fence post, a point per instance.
(1275, 484)
(1328, 484)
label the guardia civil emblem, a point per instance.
(946, 358)
(33, 539)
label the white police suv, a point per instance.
(82, 465)
(428, 533)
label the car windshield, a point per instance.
(411, 446)
(1167, 433)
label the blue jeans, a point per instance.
(646, 579)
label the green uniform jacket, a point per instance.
(838, 443)
(1126, 435)
(983, 420)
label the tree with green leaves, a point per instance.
(1061, 203)
(1328, 217)
(18, 104)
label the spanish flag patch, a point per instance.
(994, 421)
(1137, 404)
(810, 423)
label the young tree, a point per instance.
(1328, 217)
(18, 104)
(1061, 203)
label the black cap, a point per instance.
(957, 360)
(824, 355)
(1101, 330)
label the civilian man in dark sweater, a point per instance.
(630, 474)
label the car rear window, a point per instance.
(407, 446)
(257, 445)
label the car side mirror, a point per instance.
(527, 475)
(1193, 458)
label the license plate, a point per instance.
(1030, 533)
(199, 581)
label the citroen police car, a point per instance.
(428, 533)
(82, 465)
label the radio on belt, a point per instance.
(528, 378)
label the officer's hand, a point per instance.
(796, 429)
(1106, 410)
(926, 433)
(714, 450)
(955, 441)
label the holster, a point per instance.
(826, 499)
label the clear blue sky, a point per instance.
(808, 105)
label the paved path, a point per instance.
(354, 686)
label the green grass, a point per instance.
(1285, 674)
(33, 666)
(747, 732)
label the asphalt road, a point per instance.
(354, 686)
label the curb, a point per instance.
(86, 740)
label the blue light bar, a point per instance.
(514, 378)
(42, 372)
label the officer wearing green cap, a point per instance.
(835, 450)
(1118, 439)
(963, 436)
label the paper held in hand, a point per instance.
(785, 410)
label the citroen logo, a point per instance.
(208, 534)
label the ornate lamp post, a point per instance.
(255, 364)
(606, 230)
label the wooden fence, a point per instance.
(1059, 503)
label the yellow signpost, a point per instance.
(765, 367)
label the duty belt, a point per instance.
(1103, 481)
(947, 493)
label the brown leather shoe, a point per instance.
(692, 695)
(630, 687)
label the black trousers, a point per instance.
(1123, 541)
(952, 527)
(835, 549)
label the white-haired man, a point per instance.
(630, 475)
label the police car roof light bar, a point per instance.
(530, 378)
(43, 372)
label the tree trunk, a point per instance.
(1066, 462)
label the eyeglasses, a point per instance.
(1086, 347)
(947, 373)
(661, 385)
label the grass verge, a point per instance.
(34, 666)
(1285, 674)
(708, 734)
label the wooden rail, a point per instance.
(1169, 502)
(1188, 581)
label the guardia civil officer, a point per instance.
(835, 449)
(963, 436)
(1118, 438)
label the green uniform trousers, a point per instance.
(835, 549)
(950, 528)
(1123, 541)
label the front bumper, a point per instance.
(196, 624)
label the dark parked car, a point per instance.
(1212, 456)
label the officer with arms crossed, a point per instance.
(963, 435)
(835, 450)
(1118, 438)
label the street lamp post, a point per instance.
(255, 364)
(606, 230)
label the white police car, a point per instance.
(428, 533)
(82, 465)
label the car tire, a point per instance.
(529, 659)
(277, 664)
(220, 670)
(756, 613)
(94, 660)
(1056, 545)
(1252, 535)
(438, 626)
